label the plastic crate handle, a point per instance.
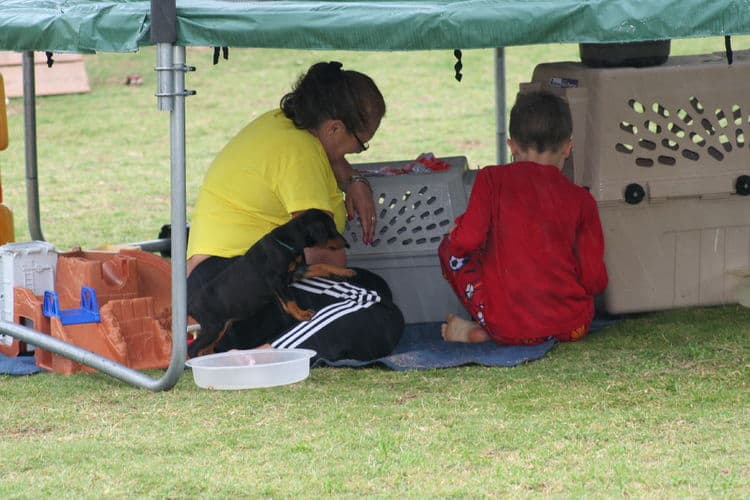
(88, 300)
(51, 304)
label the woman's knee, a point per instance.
(371, 281)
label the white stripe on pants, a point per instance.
(337, 289)
(354, 299)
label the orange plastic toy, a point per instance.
(7, 231)
(3, 117)
(133, 288)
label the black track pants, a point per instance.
(355, 319)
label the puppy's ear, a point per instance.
(334, 235)
(299, 238)
(337, 243)
(317, 232)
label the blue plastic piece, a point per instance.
(87, 313)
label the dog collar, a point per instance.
(290, 248)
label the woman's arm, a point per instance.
(358, 197)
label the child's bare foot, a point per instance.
(457, 329)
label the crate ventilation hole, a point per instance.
(406, 219)
(662, 136)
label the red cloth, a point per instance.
(533, 253)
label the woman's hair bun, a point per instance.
(330, 70)
(335, 65)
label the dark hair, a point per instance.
(326, 92)
(540, 120)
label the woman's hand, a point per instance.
(359, 202)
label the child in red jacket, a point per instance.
(527, 256)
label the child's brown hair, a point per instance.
(540, 120)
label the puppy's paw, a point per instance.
(296, 312)
(302, 314)
(346, 272)
(306, 315)
(205, 340)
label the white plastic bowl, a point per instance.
(251, 369)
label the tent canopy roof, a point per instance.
(124, 25)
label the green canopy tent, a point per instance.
(126, 25)
(88, 26)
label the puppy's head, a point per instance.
(319, 230)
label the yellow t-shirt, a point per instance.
(264, 174)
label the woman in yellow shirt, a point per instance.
(284, 162)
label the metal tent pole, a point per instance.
(178, 208)
(171, 67)
(104, 365)
(502, 135)
(29, 114)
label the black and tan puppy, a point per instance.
(262, 275)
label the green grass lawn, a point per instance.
(656, 405)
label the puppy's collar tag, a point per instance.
(290, 248)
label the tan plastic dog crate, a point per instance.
(664, 151)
